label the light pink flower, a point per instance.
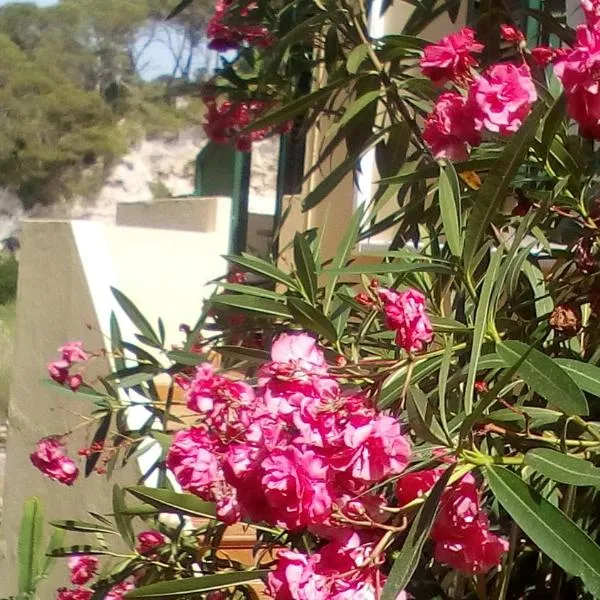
(450, 59)
(82, 568)
(503, 96)
(223, 402)
(194, 461)
(405, 313)
(75, 382)
(117, 592)
(450, 129)
(149, 541)
(373, 448)
(59, 371)
(73, 352)
(295, 578)
(296, 487)
(74, 594)
(578, 71)
(50, 459)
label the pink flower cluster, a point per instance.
(50, 459)
(82, 568)
(342, 569)
(59, 370)
(405, 314)
(461, 531)
(497, 100)
(578, 71)
(295, 452)
(225, 36)
(150, 540)
(225, 122)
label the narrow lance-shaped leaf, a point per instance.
(450, 208)
(123, 521)
(253, 304)
(168, 501)
(495, 186)
(306, 268)
(30, 549)
(563, 467)
(545, 377)
(585, 375)
(312, 319)
(136, 317)
(548, 527)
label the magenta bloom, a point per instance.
(510, 33)
(74, 594)
(450, 59)
(295, 486)
(59, 371)
(591, 8)
(502, 97)
(295, 355)
(194, 461)
(578, 71)
(414, 485)
(149, 541)
(543, 55)
(82, 568)
(73, 352)
(338, 571)
(50, 459)
(405, 314)
(117, 592)
(450, 129)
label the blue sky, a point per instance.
(158, 58)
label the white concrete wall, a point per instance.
(66, 272)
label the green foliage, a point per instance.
(9, 274)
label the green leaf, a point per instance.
(262, 267)
(133, 376)
(545, 377)
(253, 304)
(495, 186)
(30, 551)
(123, 521)
(99, 438)
(173, 502)
(136, 317)
(408, 558)
(357, 106)
(392, 267)
(482, 319)
(329, 183)
(342, 255)
(251, 290)
(184, 587)
(356, 58)
(422, 418)
(82, 526)
(78, 550)
(553, 121)
(450, 208)
(312, 319)
(306, 267)
(563, 468)
(182, 357)
(56, 539)
(585, 375)
(116, 342)
(253, 355)
(536, 417)
(548, 527)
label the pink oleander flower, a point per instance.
(414, 485)
(50, 459)
(477, 551)
(591, 9)
(75, 382)
(510, 33)
(543, 55)
(449, 130)
(149, 540)
(74, 594)
(73, 352)
(405, 314)
(223, 402)
(193, 458)
(58, 370)
(117, 592)
(502, 97)
(373, 449)
(295, 485)
(82, 568)
(338, 571)
(578, 70)
(450, 59)
(295, 354)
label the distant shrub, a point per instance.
(9, 270)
